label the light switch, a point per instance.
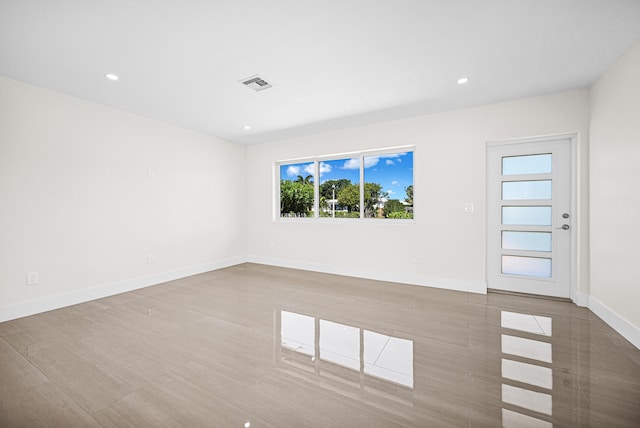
(468, 207)
(32, 278)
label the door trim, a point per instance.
(573, 184)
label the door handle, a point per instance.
(564, 227)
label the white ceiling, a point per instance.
(332, 63)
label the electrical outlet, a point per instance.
(151, 259)
(32, 278)
(150, 174)
(416, 259)
(469, 208)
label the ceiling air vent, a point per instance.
(256, 83)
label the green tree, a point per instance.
(393, 206)
(296, 197)
(402, 214)
(409, 192)
(326, 189)
(349, 197)
(305, 180)
(372, 195)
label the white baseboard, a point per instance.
(58, 301)
(10, 312)
(615, 321)
(581, 299)
(479, 287)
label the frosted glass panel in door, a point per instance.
(526, 266)
(528, 241)
(521, 190)
(527, 216)
(529, 164)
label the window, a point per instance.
(340, 188)
(388, 185)
(297, 196)
(371, 185)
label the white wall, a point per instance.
(76, 205)
(449, 171)
(615, 194)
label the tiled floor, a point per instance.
(273, 347)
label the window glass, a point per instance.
(297, 190)
(528, 241)
(340, 188)
(388, 185)
(523, 190)
(527, 216)
(529, 164)
(526, 266)
(369, 184)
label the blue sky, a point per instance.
(393, 171)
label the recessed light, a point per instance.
(111, 76)
(463, 80)
(247, 127)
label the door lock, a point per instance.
(564, 227)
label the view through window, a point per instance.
(297, 190)
(365, 185)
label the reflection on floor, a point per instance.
(527, 384)
(260, 346)
(370, 353)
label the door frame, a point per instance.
(573, 186)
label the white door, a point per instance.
(529, 216)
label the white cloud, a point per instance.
(389, 162)
(395, 183)
(324, 168)
(309, 169)
(293, 170)
(397, 157)
(353, 163)
(390, 192)
(370, 161)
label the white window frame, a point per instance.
(316, 160)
